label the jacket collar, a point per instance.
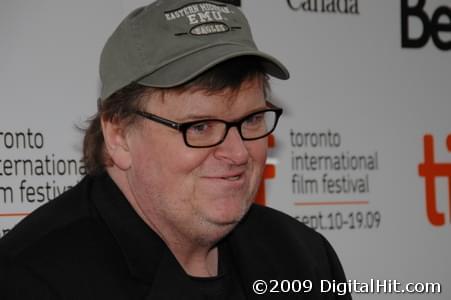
(142, 248)
(150, 260)
(146, 255)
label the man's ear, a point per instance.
(116, 144)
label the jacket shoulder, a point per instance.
(274, 243)
(276, 225)
(49, 221)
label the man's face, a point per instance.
(196, 193)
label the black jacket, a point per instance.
(90, 244)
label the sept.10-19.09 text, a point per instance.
(338, 220)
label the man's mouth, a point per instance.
(232, 178)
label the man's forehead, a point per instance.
(198, 99)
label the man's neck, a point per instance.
(201, 263)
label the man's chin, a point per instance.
(226, 218)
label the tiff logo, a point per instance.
(268, 173)
(430, 170)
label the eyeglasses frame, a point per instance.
(183, 127)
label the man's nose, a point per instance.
(233, 148)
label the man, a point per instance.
(175, 155)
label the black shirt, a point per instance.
(89, 243)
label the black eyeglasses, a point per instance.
(211, 132)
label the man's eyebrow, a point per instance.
(200, 117)
(195, 116)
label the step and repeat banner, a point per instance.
(362, 154)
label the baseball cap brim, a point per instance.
(184, 68)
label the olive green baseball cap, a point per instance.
(169, 42)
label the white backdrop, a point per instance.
(347, 152)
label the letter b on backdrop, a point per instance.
(440, 22)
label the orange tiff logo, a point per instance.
(430, 170)
(269, 172)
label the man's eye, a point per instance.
(255, 119)
(200, 127)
